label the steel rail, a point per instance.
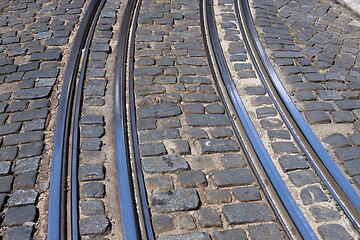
(134, 137)
(76, 128)
(324, 165)
(283, 193)
(128, 207)
(287, 201)
(57, 197)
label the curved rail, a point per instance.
(338, 185)
(283, 193)
(124, 61)
(57, 198)
(76, 127)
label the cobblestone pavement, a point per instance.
(306, 188)
(197, 178)
(316, 46)
(199, 184)
(35, 43)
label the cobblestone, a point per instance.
(247, 212)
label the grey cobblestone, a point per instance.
(247, 212)
(175, 200)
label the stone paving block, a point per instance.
(218, 196)
(294, 162)
(207, 120)
(92, 131)
(175, 200)
(27, 164)
(355, 139)
(247, 193)
(348, 104)
(163, 223)
(324, 214)
(195, 133)
(8, 153)
(98, 224)
(91, 172)
(168, 163)
(343, 117)
(152, 149)
(302, 177)
(93, 190)
(5, 168)
(29, 115)
(337, 140)
(17, 106)
(241, 213)
(18, 233)
(159, 135)
(281, 134)
(215, 109)
(10, 128)
(25, 180)
(233, 160)
(218, 145)
(284, 147)
(20, 138)
(324, 106)
(92, 207)
(265, 112)
(91, 144)
(194, 178)
(231, 234)
(305, 95)
(201, 98)
(43, 73)
(159, 110)
(329, 95)
(312, 194)
(5, 184)
(317, 117)
(348, 153)
(146, 124)
(194, 108)
(221, 132)
(333, 232)
(160, 183)
(232, 177)
(271, 123)
(268, 231)
(20, 215)
(208, 217)
(31, 149)
(352, 167)
(22, 197)
(191, 236)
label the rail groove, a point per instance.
(283, 204)
(324, 165)
(135, 217)
(57, 213)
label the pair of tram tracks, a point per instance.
(135, 215)
(133, 206)
(291, 217)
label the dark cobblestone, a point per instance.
(232, 177)
(91, 172)
(334, 231)
(191, 236)
(312, 194)
(194, 178)
(337, 140)
(92, 207)
(168, 163)
(289, 163)
(20, 215)
(22, 197)
(266, 231)
(247, 193)
(163, 223)
(207, 120)
(93, 190)
(176, 200)
(94, 225)
(247, 212)
(303, 177)
(218, 145)
(18, 233)
(231, 234)
(208, 217)
(324, 214)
